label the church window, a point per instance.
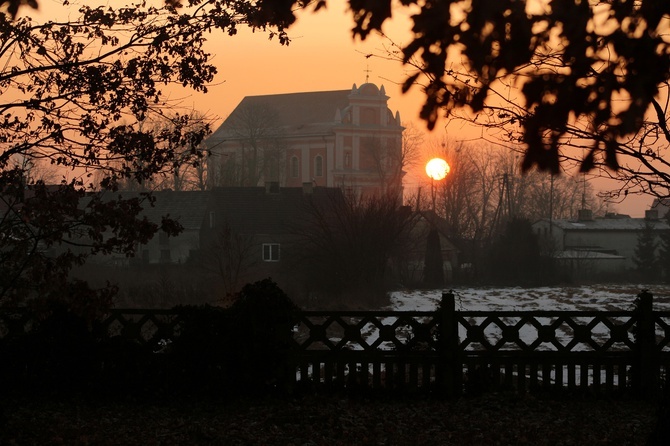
(295, 167)
(347, 160)
(369, 116)
(318, 166)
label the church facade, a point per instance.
(346, 138)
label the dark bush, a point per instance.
(58, 354)
(200, 358)
(264, 317)
(241, 349)
(218, 351)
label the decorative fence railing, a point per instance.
(451, 350)
(448, 350)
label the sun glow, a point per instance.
(437, 169)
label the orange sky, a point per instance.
(321, 56)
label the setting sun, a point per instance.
(437, 169)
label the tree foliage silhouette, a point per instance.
(75, 95)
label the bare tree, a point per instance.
(391, 158)
(347, 244)
(485, 188)
(229, 255)
(188, 161)
(622, 141)
(255, 148)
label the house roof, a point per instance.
(254, 210)
(607, 224)
(584, 255)
(186, 207)
(432, 220)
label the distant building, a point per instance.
(248, 232)
(589, 245)
(188, 208)
(348, 139)
(662, 206)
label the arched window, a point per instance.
(295, 167)
(347, 159)
(318, 166)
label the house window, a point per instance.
(318, 166)
(163, 238)
(347, 160)
(295, 167)
(271, 252)
(211, 219)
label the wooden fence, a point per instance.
(450, 351)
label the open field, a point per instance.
(586, 297)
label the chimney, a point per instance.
(651, 214)
(307, 187)
(585, 215)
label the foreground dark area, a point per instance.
(493, 419)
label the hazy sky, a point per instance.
(321, 56)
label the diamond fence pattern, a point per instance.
(448, 350)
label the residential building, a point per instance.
(188, 208)
(248, 231)
(593, 246)
(346, 138)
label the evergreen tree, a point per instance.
(514, 258)
(433, 271)
(664, 255)
(644, 255)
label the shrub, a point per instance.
(241, 349)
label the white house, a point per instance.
(588, 245)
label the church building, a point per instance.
(345, 138)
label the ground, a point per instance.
(497, 419)
(493, 419)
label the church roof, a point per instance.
(304, 114)
(309, 112)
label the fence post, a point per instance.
(646, 345)
(450, 364)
